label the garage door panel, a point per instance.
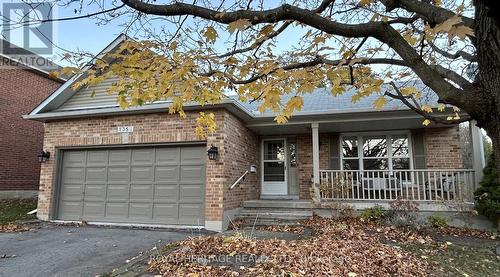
(192, 173)
(167, 156)
(97, 158)
(190, 193)
(141, 211)
(117, 192)
(71, 210)
(192, 155)
(141, 192)
(116, 210)
(191, 214)
(167, 213)
(98, 174)
(157, 185)
(142, 173)
(74, 158)
(73, 175)
(118, 174)
(93, 209)
(167, 174)
(143, 156)
(166, 193)
(72, 192)
(119, 157)
(95, 192)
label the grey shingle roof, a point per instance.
(321, 100)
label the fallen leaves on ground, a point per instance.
(336, 249)
(467, 232)
(12, 228)
(16, 209)
(282, 228)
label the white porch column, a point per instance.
(478, 162)
(315, 152)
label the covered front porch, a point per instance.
(427, 187)
(365, 160)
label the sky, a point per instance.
(79, 34)
(83, 34)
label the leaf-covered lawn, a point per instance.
(337, 248)
(15, 209)
(459, 260)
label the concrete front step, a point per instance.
(279, 204)
(276, 213)
(264, 220)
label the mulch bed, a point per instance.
(350, 248)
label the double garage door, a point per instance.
(153, 185)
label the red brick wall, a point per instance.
(236, 147)
(442, 148)
(21, 140)
(241, 150)
(304, 154)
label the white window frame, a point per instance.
(388, 136)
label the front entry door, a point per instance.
(274, 167)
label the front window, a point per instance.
(375, 152)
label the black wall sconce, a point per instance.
(212, 153)
(44, 156)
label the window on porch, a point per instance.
(377, 152)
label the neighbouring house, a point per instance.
(142, 165)
(24, 83)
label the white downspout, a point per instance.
(478, 162)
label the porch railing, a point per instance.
(417, 185)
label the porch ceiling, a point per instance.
(342, 123)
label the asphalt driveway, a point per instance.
(76, 251)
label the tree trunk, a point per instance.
(487, 80)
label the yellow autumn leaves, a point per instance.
(149, 71)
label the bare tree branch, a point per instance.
(281, 13)
(317, 61)
(430, 13)
(379, 30)
(73, 17)
(458, 54)
(258, 43)
(416, 108)
(323, 6)
(453, 76)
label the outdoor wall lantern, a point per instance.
(212, 153)
(44, 156)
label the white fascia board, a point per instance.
(73, 79)
(149, 108)
(265, 116)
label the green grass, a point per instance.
(16, 209)
(458, 260)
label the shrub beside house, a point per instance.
(488, 194)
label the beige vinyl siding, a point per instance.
(83, 98)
